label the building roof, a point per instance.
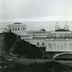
(17, 23)
(62, 30)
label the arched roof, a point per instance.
(43, 29)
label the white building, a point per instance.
(17, 28)
(59, 40)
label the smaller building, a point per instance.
(17, 28)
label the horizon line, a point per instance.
(42, 19)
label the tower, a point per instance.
(66, 27)
(57, 26)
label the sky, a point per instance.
(36, 13)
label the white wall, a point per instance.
(59, 45)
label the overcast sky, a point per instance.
(38, 12)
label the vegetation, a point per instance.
(9, 39)
(24, 48)
(38, 67)
(21, 47)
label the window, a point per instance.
(18, 29)
(12, 29)
(23, 28)
(38, 43)
(15, 29)
(43, 44)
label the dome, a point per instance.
(43, 29)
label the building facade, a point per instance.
(59, 40)
(17, 28)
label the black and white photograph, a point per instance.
(35, 35)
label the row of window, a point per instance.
(43, 44)
(53, 35)
(60, 37)
(17, 29)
